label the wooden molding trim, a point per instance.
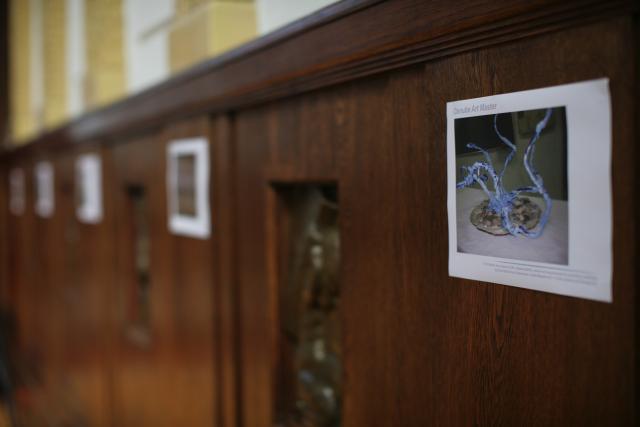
(349, 40)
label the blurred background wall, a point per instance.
(68, 57)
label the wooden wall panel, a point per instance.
(477, 353)
(300, 140)
(226, 314)
(21, 312)
(141, 361)
(193, 312)
(172, 380)
(421, 347)
(21, 272)
(5, 300)
(85, 293)
(49, 263)
(59, 280)
(35, 271)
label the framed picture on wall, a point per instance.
(17, 197)
(89, 188)
(44, 189)
(188, 187)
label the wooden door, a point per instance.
(164, 366)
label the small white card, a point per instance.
(17, 196)
(89, 188)
(529, 189)
(44, 189)
(188, 187)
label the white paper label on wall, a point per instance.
(188, 187)
(17, 196)
(529, 189)
(44, 189)
(89, 188)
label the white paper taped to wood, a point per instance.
(44, 189)
(89, 188)
(529, 189)
(188, 187)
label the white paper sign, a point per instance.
(188, 187)
(17, 197)
(89, 188)
(44, 189)
(529, 189)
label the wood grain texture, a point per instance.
(377, 36)
(226, 292)
(4, 242)
(89, 292)
(173, 380)
(421, 347)
(59, 281)
(21, 272)
(295, 141)
(49, 264)
(489, 355)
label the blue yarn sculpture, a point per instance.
(500, 200)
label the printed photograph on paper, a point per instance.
(529, 189)
(186, 165)
(512, 195)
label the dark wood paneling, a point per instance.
(226, 313)
(4, 232)
(142, 353)
(49, 264)
(373, 36)
(58, 283)
(455, 350)
(88, 291)
(421, 347)
(25, 347)
(301, 140)
(172, 380)
(63, 393)
(194, 313)
(21, 267)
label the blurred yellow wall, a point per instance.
(53, 75)
(22, 121)
(204, 28)
(55, 82)
(105, 80)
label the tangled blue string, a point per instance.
(501, 200)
